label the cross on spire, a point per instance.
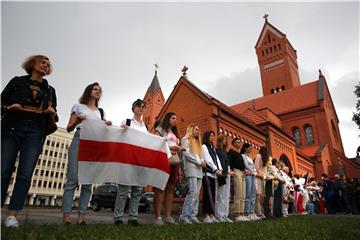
(266, 17)
(184, 69)
(156, 67)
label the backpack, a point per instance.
(102, 113)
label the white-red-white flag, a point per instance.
(124, 156)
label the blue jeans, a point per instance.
(250, 194)
(72, 180)
(121, 196)
(191, 204)
(26, 138)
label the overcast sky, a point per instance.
(117, 43)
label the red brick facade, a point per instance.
(298, 123)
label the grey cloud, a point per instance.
(239, 87)
(343, 92)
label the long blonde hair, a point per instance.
(194, 143)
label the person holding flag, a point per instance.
(136, 122)
(87, 108)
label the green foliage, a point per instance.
(297, 227)
(356, 115)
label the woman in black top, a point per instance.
(26, 103)
(223, 191)
(237, 165)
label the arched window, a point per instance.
(309, 134)
(296, 136)
(285, 160)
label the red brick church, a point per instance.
(298, 123)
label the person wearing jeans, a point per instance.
(86, 109)
(223, 192)
(193, 164)
(138, 108)
(250, 182)
(26, 103)
(72, 180)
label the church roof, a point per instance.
(268, 26)
(306, 95)
(272, 28)
(254, 116)
(223, 107)
(155, 85)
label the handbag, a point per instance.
(51, 126)
(221, 181)
(174, 159)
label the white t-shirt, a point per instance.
(136, 125)
(81, 109)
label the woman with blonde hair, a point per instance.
(193, 164)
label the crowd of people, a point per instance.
(263, 187)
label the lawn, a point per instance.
(296, 227)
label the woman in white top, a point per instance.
(213, 169)
(250, 183)
(87, 108)
(168, 130)
(260, 161)
(136, 122)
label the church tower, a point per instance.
(154, 100)
(277, 60)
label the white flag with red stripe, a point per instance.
(124, 156)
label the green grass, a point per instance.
(299, 227)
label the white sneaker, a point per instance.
(11, 221)
(239, 219)
(253, 217)
(170, 220)
(222, 220)
(195, 220)
(159, 221)
(207, 219)
(228, 220)
(185, 221)
(257, 217)
(214, 220)
(246, 218)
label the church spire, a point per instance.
(155, 85)
(154, 100)
(277, 60)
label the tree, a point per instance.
(356, 115)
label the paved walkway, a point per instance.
(54, 216)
